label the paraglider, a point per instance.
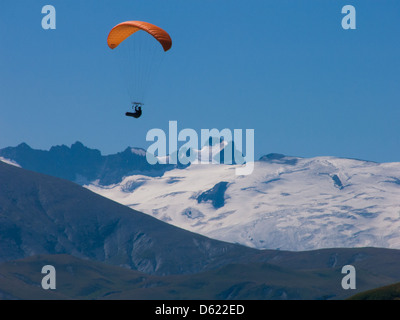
(142, 50)
(137, 106)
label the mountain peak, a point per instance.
(23, 146)
(78, 145)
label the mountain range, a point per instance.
(81, 164)
(104, 250)
(287, 203)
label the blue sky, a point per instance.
(284, 68)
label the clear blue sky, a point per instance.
(285, 68)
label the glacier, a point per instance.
(287, 203)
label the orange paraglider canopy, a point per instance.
(125, 29)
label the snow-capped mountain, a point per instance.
(47, 220)
(287, 203)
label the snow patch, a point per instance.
(11, 162)
(139, 152)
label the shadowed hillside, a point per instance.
(40, 214)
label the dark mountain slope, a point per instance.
(40, 214)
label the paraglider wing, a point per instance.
(139, 55)
(125, 29)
